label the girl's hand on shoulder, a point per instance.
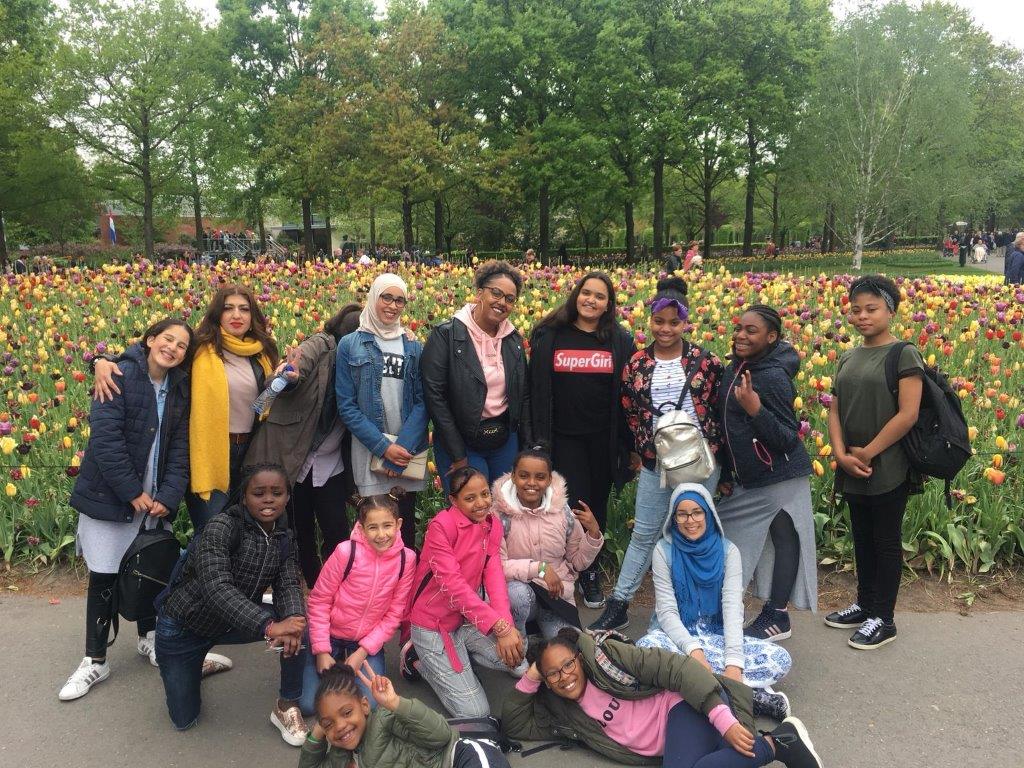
(740, 739)
(381, 688)
(324, 661)
(104, 387)
(586, 518)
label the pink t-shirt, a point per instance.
(637, 725)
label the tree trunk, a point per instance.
(748, 211)
(307, 227)
(373, 232)
(858, 243)
(147, 189)
(832, 245)
(330, 240)
(775, 211)
(544, 232)
(708, 202)
(261, 225)
(197, 203)
(406, 220)
(438, 224)
(4, 260)
(658, 223)
(630, 239)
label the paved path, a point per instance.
(947, 694)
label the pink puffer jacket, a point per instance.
(458, 557)
(367, 605)
(536, 535)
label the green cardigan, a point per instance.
(413, 736)
(543, 716)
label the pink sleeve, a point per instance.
(517, 569)
(722, 718)
(321, 599)
(374, 640)
(448, 575)
(581, 549)
(494, 577)
(526, 685)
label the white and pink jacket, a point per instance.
(458, 557)
(542, 535)
(369, 603)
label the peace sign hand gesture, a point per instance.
(748, 399)
(381, 688)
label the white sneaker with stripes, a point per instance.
(83, 679)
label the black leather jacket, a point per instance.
(455, 390)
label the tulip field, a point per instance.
(52, 324)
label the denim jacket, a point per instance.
(357, 381)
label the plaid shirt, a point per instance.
(225, 578)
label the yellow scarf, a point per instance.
(208, 448)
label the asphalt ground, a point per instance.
(949, 693)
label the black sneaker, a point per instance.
(771, 704)
(793, 746)
(615, 616)
(873, 633)
(848, 618)
(407, 658)
(771, 624)
(590, 586)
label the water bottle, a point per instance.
(276, 387)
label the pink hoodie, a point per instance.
(458, 557)
(488, 352)
(369, 604)
(537, 535)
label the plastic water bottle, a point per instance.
(276, 387)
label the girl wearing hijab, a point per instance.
(766, 507)
(699, 602)
(380, 398)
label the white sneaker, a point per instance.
(291, 724)
(214, 663)
(84, 678)
(147, 647)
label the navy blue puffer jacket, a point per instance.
(121, 434)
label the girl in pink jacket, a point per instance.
(451, 622)
(546, 543)
(361, 594)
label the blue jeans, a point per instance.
(180, 654)
(340, 649)
(649, 515)
(493, 464)
(692, 742)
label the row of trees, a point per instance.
(512, 122)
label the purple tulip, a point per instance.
(6, 427)
(1020, 421)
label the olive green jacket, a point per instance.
(413, 736)
(543, 716)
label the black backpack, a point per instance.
(145, 571)
(937, 445)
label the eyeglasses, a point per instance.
(498, 294)
(565, 669)
(398, 301)
(695, 515)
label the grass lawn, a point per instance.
(894, 263)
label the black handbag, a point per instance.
(145, 570)
(491, 434)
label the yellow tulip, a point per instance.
(997, 460)
(10, 489)
(818, 469)
(826, 450)
(972, 432)
(798, 403)
(7, 445)
(1001, 443)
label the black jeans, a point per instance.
(99, 612)
(877, 526)
(326, 507)
(477, 754)
(586, 463)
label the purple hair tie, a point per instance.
(681, 309)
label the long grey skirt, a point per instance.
(746, 516)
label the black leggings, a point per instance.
(877, 526)
(99, 613)
(586, 464)
(326, 507)
(786, 543)
(477, 754)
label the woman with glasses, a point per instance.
(698, 590)
(474, 379)
(643, 706)
(380, 398)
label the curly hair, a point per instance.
(493, 268)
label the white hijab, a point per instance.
(368, 319)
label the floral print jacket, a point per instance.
(639, 408)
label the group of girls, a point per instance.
(523, 526)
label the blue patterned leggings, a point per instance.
(764, 663)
